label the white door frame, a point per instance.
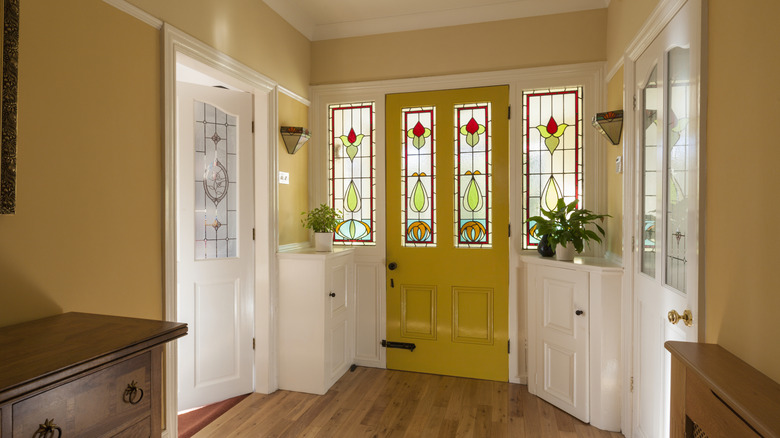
(178, 44)
(589, 75)
(659, 18)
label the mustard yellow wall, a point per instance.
(742, 200)
(87, 233)
(247, 30)
(526, 42)
(624, 20)
(293, 197)
(614, 180)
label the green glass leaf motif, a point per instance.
(552, 143)
(551, 194)
(352, 151)
(419, 198)
(418, 142)
(352, 198)
(472, 199)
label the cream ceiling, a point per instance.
(328, 19)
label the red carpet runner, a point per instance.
(192, 422)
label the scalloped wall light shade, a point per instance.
(294, 137)
(610, 124)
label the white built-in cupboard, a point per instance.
(316, 318)
(574, 343)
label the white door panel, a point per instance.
(562, 305)
(215, 251)
(665, 251)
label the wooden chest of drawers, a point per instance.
(83, 375)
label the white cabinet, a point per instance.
(316, 318)
(574, 338)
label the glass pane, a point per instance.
(651, 138)
(351, 177)
(418, 167)
(472, 175)
(216, 188)
(679, 157)
(553, 156)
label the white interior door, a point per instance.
(666, 240)
(215, 254)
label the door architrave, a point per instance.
(179, 46)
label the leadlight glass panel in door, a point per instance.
(679, 160)
(418, 170)
(652, 136)
(216, 188)
(473, 166)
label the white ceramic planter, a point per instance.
(564, 253)
(323, 242)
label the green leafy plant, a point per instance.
(565, 223)
(322, 219)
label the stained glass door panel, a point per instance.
(447, 168)
(652, 135)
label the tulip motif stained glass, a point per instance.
(216, 161)
(351, 177)
(472, 175)
(552, 151)
(418, 175)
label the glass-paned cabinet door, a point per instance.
(216, 188)
(352, 171)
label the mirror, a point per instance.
(8, 113)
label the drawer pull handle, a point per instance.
(131, 392)
(47, 429)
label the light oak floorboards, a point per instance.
(371, 402)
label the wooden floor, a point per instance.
(372, 402)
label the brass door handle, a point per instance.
(675, 317)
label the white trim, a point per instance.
(290, 247)
(136, 12)
(263, 89)
(293, 95)
(613, 71)
(589, 75)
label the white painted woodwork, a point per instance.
(574, 360)
(316, 318)
(369, 281)
(681, 27)
(215, 296)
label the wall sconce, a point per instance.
(610, 124)
(294, 137)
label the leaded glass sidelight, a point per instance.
(216, 164)
(418, 172)
(651, 139)
(473, 212)
(553, 155)
(352, 186)
(679, 161)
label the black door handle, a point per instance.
(392, 266)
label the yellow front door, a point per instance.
(447, 190)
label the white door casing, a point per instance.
(215, 277)
(665, 81)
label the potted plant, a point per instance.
(565, 228)
(323, 221)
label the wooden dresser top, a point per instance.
(36, 353)
(751, 394)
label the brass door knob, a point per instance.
(675, 317)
